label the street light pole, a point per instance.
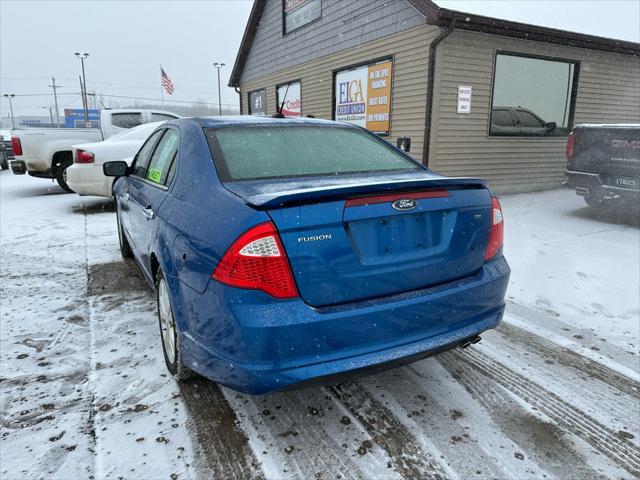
(218, 67)
(85, 103)
(10, 96)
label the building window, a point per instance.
(258, 102)
(362, 96)
(533, 96)
(289, 100)
(298, 13)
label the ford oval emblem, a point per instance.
(404, 204)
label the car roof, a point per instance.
(138, 133)
(242, 120)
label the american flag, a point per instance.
(166, 82)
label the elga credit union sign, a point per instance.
(363, 96)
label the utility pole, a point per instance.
(84, 100)
(55, 99)
(82, 58)
(10, 96)
(218, 67)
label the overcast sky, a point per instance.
(128, 40)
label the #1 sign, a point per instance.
(464, 99)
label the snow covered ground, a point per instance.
(553, 392)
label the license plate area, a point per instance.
(624, 182)
(402, 237)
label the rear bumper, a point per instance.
(88, 179)
(258, 348)
(18, 167)
(591, 185)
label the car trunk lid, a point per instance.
(352, 239)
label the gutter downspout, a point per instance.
(239, 97)
(430, 86)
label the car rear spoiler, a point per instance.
(309, 195)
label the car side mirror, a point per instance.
(550, 126)
(115, 169)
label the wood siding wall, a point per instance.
(343, 25)
(608, 92)
(410, 51)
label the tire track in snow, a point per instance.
(407, 456)
(540, 446)
(581, 340)
(307, 433)
(223, 446)
(467, 435)
(571, 359)
(570, 419)
(90, 388)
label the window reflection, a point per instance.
(532, 96)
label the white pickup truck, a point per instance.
(46, 152)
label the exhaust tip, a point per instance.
(470, 341)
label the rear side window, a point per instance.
(501, 118)
(144, 154)
(163, 157)
(257, 152)
(126, 120)
(528, 120)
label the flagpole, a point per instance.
(161, 87)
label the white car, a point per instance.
(85, 176)
(46, 152)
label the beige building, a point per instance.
(466, 94)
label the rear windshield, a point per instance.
(258, 152)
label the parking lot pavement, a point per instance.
(554, 391)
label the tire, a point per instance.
(125, 248)
(595, 203)
(4, 162)
(169, 336)
(61, 178)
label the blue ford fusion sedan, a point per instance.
(291, 250)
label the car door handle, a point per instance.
(148, 213)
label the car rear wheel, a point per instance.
(595, 202)
(61, 178)
(169, 332)
(125, 248)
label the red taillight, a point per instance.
(571, 140)
(257, 260)
(82, 156)
(16, 146)
(496, 235)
